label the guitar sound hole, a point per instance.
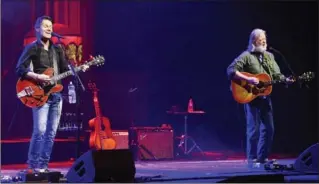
(260, 84)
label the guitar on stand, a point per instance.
(185, 137)
(243, 92)
(100, 138)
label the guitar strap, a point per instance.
(264, 61)
(55, 62)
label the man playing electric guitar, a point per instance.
(259, 112)
(35, 59)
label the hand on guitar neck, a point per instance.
(290, 80)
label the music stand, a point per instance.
(184, 138)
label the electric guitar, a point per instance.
(243, 92)
(35, 94)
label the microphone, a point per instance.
(76, 76)
(72, 69)
(57, 35)
(287, 64)
(284, 59)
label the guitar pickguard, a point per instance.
(28, 91)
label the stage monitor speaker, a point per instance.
(307, 161)
(103, 166)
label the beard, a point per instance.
(261, 48)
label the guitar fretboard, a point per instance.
(97, 105)
(268, 83)
(54, 79)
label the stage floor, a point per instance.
(186, 171)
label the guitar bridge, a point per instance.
(28, 91)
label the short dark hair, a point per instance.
(40, 19)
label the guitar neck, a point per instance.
(97, 106)
(97, 112)
(269, 83)
(66, 74)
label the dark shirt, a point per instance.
(41, 59)
(255, 63)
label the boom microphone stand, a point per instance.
(78, 87)
(78, 83)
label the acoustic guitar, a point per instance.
(243, 92)
(100, 138)
(35, 94)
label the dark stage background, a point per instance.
(171, 51)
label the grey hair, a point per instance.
(253, 35)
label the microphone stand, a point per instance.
(78, 85)
(287, 64)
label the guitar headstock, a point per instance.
(92, 87)
(307, 76)
(97, 60)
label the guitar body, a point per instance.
(245, 93)
(100, 139)
(36, 94)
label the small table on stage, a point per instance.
(184, 138)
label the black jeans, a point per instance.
(260, 128)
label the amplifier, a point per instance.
(122, 139)
(152, 143)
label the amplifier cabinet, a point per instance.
(152, 143)
(122, 139)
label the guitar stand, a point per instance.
(184, 140)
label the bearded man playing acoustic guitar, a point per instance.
(35, 59)
(259, 112)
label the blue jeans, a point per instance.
(45, 123)
(260, 128)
